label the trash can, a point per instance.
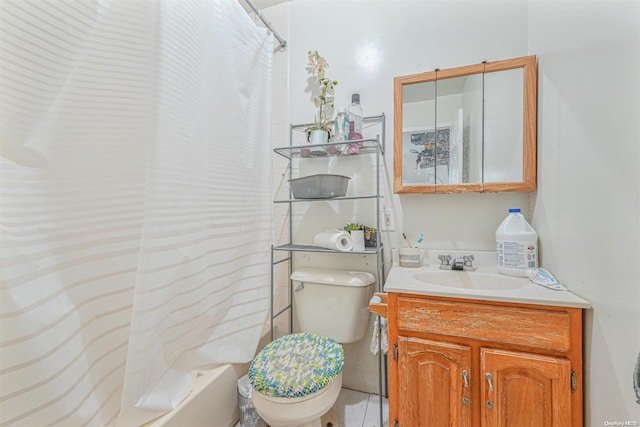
(248, 415)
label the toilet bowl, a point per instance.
(298, 411)
(297, 378)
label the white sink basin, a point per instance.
(467, 280)
(485, 283)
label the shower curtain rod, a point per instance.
(283, 42)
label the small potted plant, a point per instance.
(370, 237)
(352, 226)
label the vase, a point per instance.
(319, 137)
(357, 238)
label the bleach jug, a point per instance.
(516, 245)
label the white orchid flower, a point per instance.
(317, 67)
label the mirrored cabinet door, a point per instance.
(459, 129)
(418, 133)
(503, 112)
(510, 104)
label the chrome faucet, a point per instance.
(447, 262)
(457, 264)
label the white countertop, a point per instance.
(403, 280)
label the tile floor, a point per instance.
(358, 409)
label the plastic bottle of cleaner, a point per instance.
(355, 117)
(516, 245)
(342, 125)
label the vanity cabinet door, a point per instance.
(434, 383)
(524, 389)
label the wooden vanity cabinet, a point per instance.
(468, 363)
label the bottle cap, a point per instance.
(514, 210)
(355, 98)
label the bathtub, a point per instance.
(213, 402)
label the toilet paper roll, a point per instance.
(333, 239)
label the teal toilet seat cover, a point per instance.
(296, 365)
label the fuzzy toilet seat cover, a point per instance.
(296, 365)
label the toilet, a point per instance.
(297, 378)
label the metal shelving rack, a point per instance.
(371, 147)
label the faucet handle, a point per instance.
(445, 261)
(468, 262)
(444, 258)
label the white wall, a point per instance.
(587, 121)
(587, 208)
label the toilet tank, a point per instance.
(333, 303)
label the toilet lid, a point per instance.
(296, 365)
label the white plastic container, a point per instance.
(409, 257)
(516, 245)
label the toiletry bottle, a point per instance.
(355, 118)
(516, 245)
(342, 125)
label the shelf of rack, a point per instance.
(366, 122)
(311, 248)
(369, 146)
(328, 199)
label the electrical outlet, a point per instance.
(388, 220)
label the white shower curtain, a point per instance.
(135, 203)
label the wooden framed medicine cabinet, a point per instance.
(467, 129)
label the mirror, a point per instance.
(466, 129)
